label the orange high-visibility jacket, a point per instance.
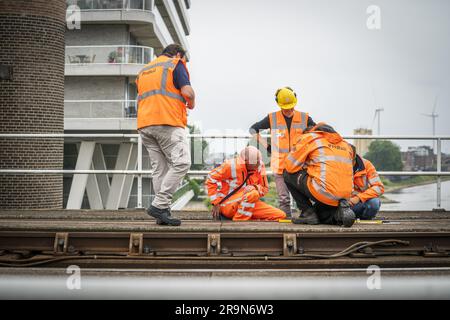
(283, 142)
(367, 183)
(230, 175)
(328, 160)
(159, 102)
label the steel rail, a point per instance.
(191, 246)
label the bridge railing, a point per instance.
(139, 173)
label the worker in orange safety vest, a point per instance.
(367, 189)
(235, 189)
(165, 94)
(320, 169)
(286, 126)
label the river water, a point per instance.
(418, 198)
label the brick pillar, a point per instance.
(31, 100)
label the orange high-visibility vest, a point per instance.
(282, 142)
(328, 160)
(159, 102)
(367, 183)
(230, 175)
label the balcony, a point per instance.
(144, 19)
(106, 60)
(113, 4)
(100, 114)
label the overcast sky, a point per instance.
(243, 50)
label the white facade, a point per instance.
(116, 39)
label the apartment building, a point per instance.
(115, 40)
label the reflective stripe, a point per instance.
(215, 196)
(332, 158)
(275, 125)
(166, 64)
(377, 190)
(294, 161)
(375, 180)
(233, 169)
(323, 169)
(163, 91)
(323, 192)
(365, 184)
(247, 205)
(245, 213)
(212, 179)
(298, 126)
(279, 150)
(303, 123)
(231, 201)
(233, 183)
(321, 188)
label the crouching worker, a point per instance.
(235, 189)
(320, 170)
(368, 188)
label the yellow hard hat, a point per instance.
(286, 98)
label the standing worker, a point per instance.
(235, 189)
(320, 170)
(368, 189)
(164, 93)
(286, 126)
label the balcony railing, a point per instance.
(106, 109)
(146, 5)
(82, 55)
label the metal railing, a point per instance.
(136, 138)
(85, 5)
(110, 109)
(108, 55)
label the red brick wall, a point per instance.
(32, 42)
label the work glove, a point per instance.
(249, 189)
(252, 196)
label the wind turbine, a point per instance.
(433, 117)
(378, 114)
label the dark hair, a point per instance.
(173, 49)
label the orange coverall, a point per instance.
(245, 204)
(367, 183)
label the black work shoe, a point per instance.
(159, 222)
(344, 214)
(308, 217)
(162, 216)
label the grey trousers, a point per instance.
(284, 197)
(170, 159)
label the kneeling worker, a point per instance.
(235, 189)
(320, 169)
(368, 188)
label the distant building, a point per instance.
(420, 158)
(362, 145)
(446, 162)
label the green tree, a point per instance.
(385, 156)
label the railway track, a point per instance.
(131, 240)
